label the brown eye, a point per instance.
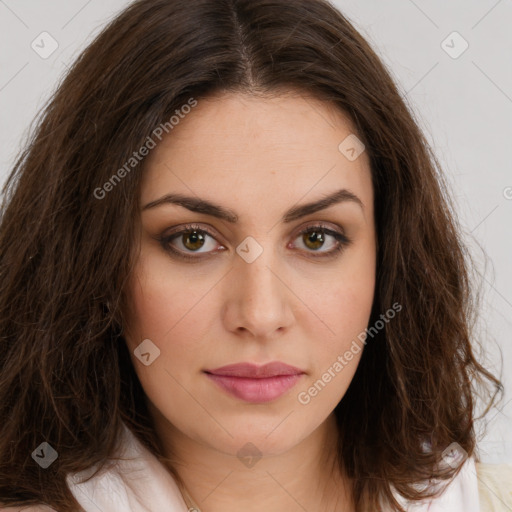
(192, 240)
(315, 238)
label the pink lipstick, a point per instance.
(256, 384)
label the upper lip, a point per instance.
(254, 371)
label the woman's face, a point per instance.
(252, 288)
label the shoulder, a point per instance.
(494, 487)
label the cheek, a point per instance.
(345, 302)
(345, 308)
(177, 316)
(335, 357)
(162, 301)
(164, 309)
(346, 316)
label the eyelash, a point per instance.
(342, 240)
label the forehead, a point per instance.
(249, 146)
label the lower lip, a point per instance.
(256, 390)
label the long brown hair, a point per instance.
(66, 252)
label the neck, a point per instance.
(304, 478)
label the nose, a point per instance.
(259, 300)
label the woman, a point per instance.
(232, 279)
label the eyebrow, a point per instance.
(198, 205)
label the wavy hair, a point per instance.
(65, 253)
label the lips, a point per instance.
(254, 371)
(256, 384)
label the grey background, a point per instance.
(463, 104)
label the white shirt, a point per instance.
(141, 483)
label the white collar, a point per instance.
(138, 483)
(141, 483)
(460, 495)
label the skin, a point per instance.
(257, 157)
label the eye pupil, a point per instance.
(316, 238)
(195, 238)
